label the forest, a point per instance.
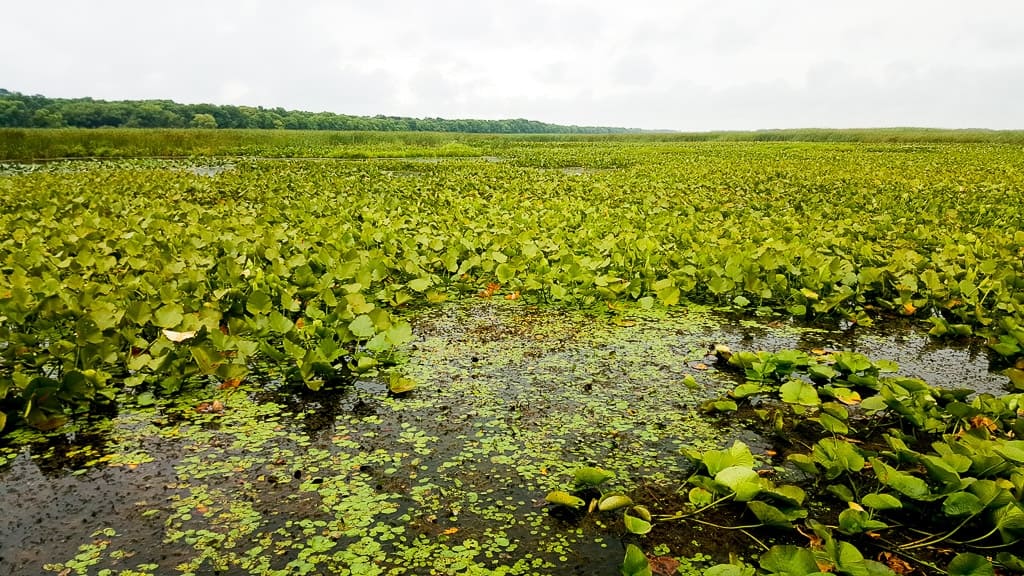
(35, 111)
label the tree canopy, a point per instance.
(35, 111)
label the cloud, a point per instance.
(653, 64)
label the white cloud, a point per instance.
(655, 64)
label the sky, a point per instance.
(677, 65)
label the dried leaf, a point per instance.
(895, 563)
(663, 565)
(981, 421)
(175, 336)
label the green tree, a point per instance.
(203, 121)
(44, 118)
(13, 113)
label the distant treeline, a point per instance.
(24, 111)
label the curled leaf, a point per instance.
(614, 502)
(175, 336)
(564, 499)
(590, 476)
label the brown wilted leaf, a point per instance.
(813, 540)
(980, 421)
(210, 407)
(895, 563)
(663, 565)
(850, 398)
(230, 384)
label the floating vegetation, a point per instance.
(321, 366)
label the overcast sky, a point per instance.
(684, 65)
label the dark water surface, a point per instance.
(449, 479)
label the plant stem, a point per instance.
(712, 524)
(751, 536)
(931, 540)
(996, 547)
(680, 516)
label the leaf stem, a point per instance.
(680, 516)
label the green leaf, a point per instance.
(836, 410)
(968, 564)
(822, 372)
(1010, 521)
(635, 562)
(789, 560)
(733, 476)
(259, 303)
(901, 482)
(882, 502)
(990, 494)
(852, 362)
(941, 472)
(636, 525)
(208, 360)
(842, 492)
(504, 272)
(770, 515)
(590, 476)
(362, 327)
(1016, 377)
(719, 406)
(1010, 562)
(1012, 450)
(398, 384)
(874, 404)
(799, 392)
(787, 493)
(145, 399)
(564, 499)
(3, 420)
(853, 521)
(614, 502)
(700, 497)
(837, 456)
(669, 296)
(962, 504)
(168, 316)
(279, 324)
(421, 284)
(736, 455)
(804, 462)
(400, 333)
(749, 389)
(832, 425)
(847, 558)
